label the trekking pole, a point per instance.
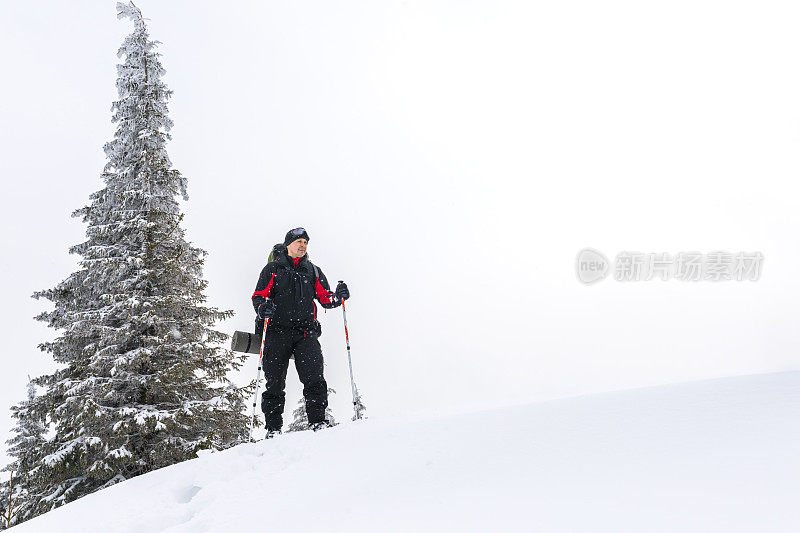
(357, 405)
(258, 377)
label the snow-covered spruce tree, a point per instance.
(4, 503)
(300, 422)
(144, 382)
(26, 447)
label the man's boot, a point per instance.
(316, 426)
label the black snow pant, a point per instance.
(278, 348)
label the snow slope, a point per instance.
(720, 455)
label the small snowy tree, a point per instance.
(143, 382)
(300, 422)
(26, 448)
(5, 505)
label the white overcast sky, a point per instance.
(449, 160)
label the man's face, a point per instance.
(297, 248)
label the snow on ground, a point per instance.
(710, 456)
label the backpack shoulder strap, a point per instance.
(316, 271)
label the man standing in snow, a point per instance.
(285, 294)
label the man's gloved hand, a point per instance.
(342, 291)
(266, 310)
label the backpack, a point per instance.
(279, 247)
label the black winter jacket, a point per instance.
(293, 285)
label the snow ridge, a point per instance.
(705, 456)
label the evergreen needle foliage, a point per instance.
(142, 382)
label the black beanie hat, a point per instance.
(294, 234)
